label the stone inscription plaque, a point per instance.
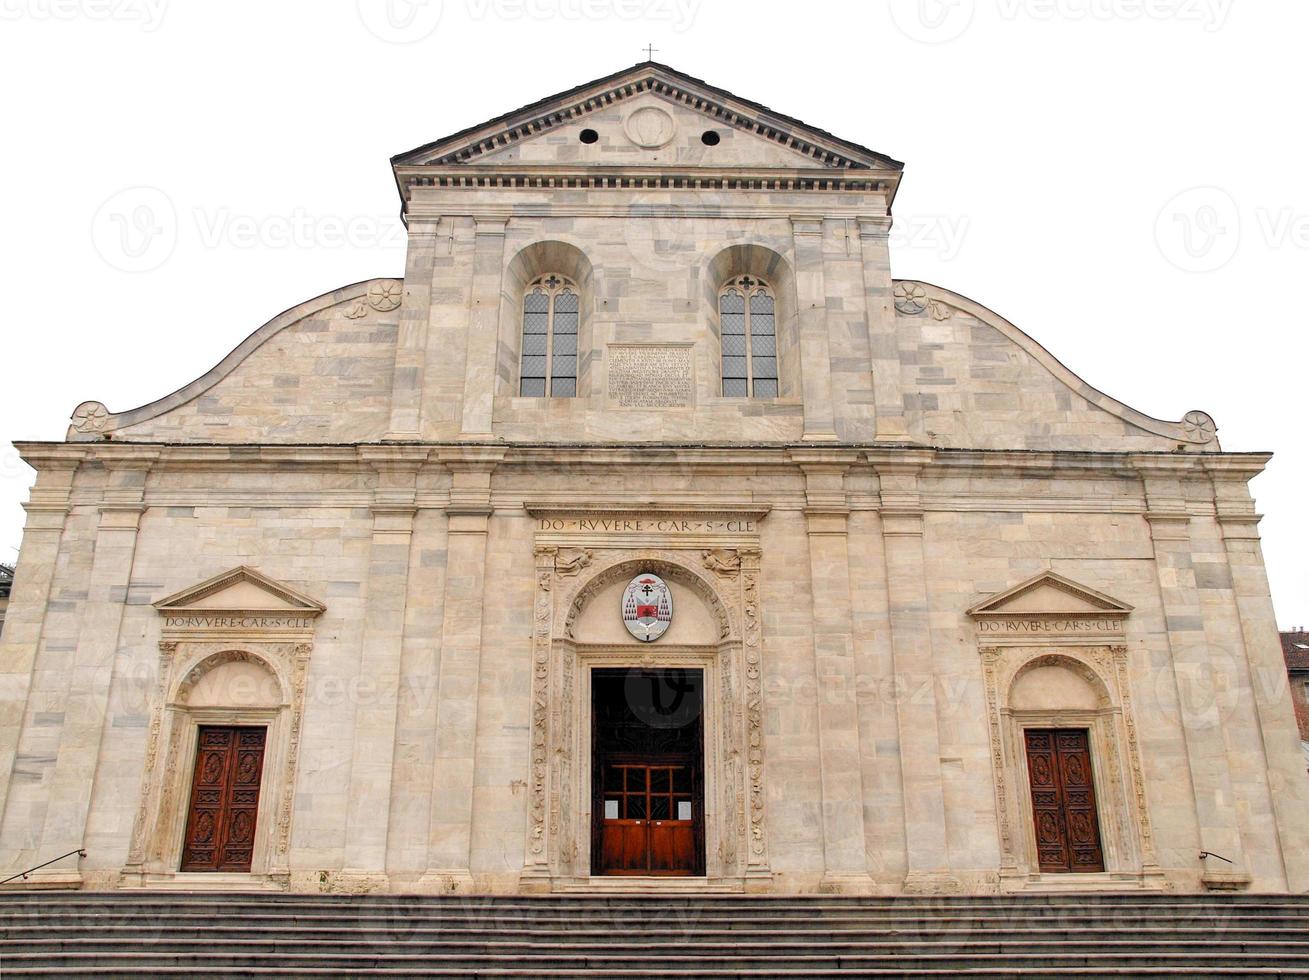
(649, 525)
(1050, 624)
(650, 375)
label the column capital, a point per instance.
(877, 229)
(806, 225)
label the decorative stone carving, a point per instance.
(269, 626)
(558, 800)
(385, 295)
(570, 561)
(357, 310)
(754, 708)
(1199, 427)
(910, 298)
(90, 417)
(650, 127)
(723, 562)
(938, 310)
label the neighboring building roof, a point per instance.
(1295, 648)
(6, 580)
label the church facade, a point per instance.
(646, 535)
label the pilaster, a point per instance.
(372, 762)
(469, 512)
(914, 673)
(47, 509)
(1288, 786)
(827, 520)
(883, 340)
(811, 319)
(483, 328)
(411, 341)
(1201, 722)
(73, 777)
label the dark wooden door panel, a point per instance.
(625, 846)
(1063, 800)
(639, 833)
(220, 827)
(672, 847)
(647, 772)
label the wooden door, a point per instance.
(1063, 800)
(220, 828)
(648, 819)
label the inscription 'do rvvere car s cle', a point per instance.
(647, 607)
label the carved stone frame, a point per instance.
(155, 851)
(1127, 838)
(558, 852)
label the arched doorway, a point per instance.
(647, 771)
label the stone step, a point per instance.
(703, 973)
(755, 902)
(676, 948)
(991, 932)
(220, 957)
(653, 923)
(185, 934)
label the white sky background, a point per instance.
(1046, 142)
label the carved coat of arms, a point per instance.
(647, 607)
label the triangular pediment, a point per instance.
(240, 591)
(649, 114)
(1050, 594)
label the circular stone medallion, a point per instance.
(649, 127)
(647, 607)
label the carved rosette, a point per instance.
(385, 295)
(910, 298)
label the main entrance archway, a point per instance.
(647, 772)
(578, 636)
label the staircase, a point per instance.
(208, 934)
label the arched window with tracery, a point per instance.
(549, 350)
(748, 327)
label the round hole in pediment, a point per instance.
(709, 138)
(588, 136)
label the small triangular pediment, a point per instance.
(241, 590)
(1050, 594)
(648, 115)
